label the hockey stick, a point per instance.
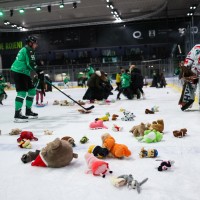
(89, 108)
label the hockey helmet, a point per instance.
(31, 39)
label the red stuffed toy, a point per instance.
(26, 135)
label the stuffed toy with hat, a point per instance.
(56, 154)
(48, 132)
(30, 156)
(180, 133)
(138, 130)
(116, 150)
(156, 125)
(70, 140)
(128, 116)
(97, 125)
(151, 153)
(98, 151)
(116, 128)
(151, 136)
(165, 165)
(25, 144)
(15, 131)
(114, 117)
(104, 118)
(83, 140)
(96, 166)
(26, 135)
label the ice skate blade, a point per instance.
(16, 120)
(32, 117)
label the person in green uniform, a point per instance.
(89, 70)
(3, 84)
(66, 82)
(21, 68)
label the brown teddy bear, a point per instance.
(58, 153)
(70, 140)
(116, 150)
(138, 130)
(180, 133)
(15, 131)
(157, 125)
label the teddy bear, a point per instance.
(147, 111)
(98, 151)
(82, 111)
(48, 132)
(151, 153)
(151, 136)
(138, 130)
(70, 140)
(180, 133)
(15, 131)
(30, 156)
(128, 116)
(96, 166)
(97, 124)
(114, 117)
(116, 150)
(156, 125)
(56, 154)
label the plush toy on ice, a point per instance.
(117, 128)
(151, 136)
(98, 151)
(116, 150)
(181, 133)
(150, 153)
(58, 153)
(25, 144)
(97, 125)
(129, 181)
(26, 135)
(128, 116)
(15, 131)
(70, 140)
(165, 165)
(96, 166)
(156, 125)
(138, 130)
(104, 118)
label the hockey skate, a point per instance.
(30, 114)
(19, 118)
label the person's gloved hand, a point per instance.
(40, 74)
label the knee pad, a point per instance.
(21, 94)
(32, 92)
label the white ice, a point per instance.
(181, 182)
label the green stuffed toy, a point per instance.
(151, 136)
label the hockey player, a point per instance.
(190, 75)
(21, 68)
(3, 84)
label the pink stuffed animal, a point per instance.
(97, 125)
(96, 166)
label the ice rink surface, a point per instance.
(22, 181)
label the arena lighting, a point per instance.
(21, 10)
(38, 8)
(61, 5)
(74, 5)
(1, 13)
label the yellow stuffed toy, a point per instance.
(104, 118)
